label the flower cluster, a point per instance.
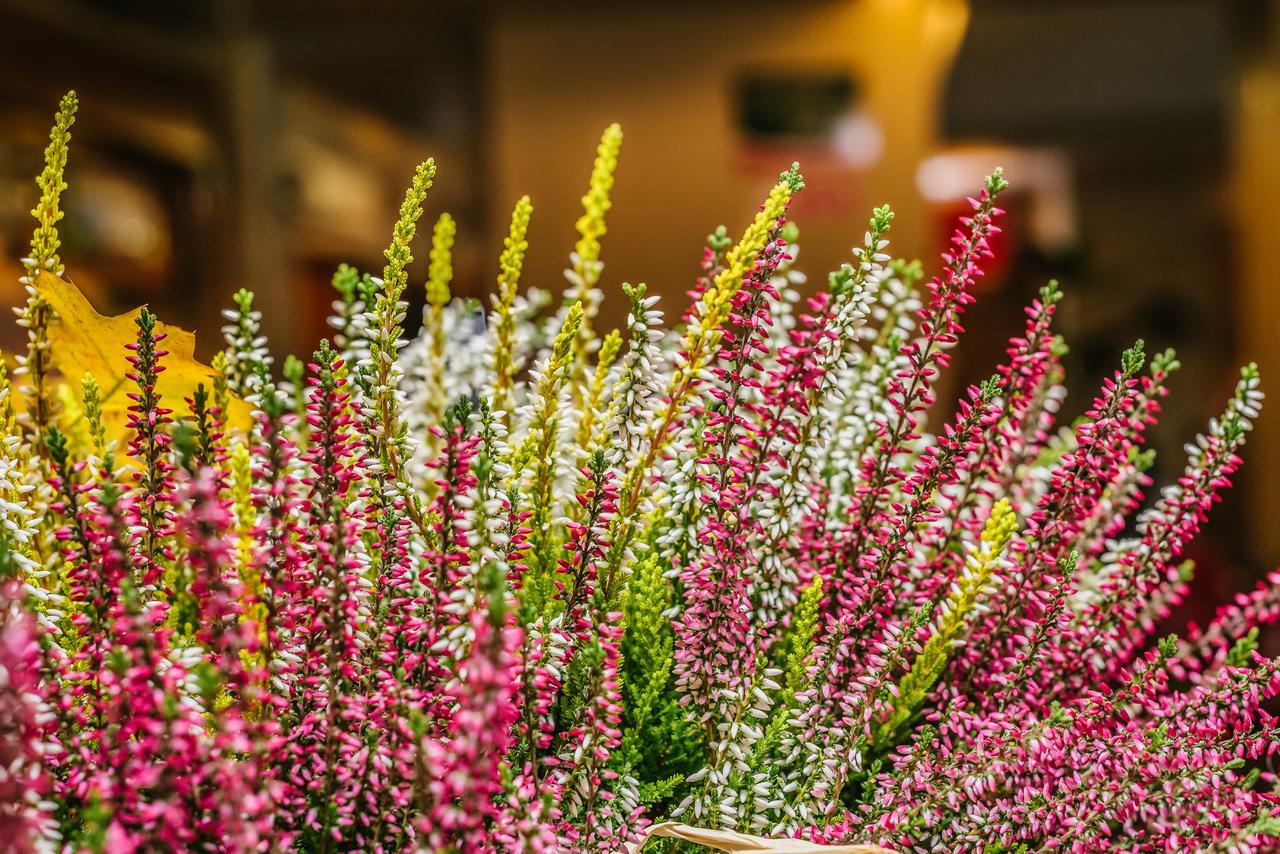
(516, 586)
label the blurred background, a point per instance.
(226, 143)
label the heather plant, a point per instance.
(513, 584)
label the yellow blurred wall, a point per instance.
(1257, 300)
(666, 73)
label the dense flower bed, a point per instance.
(521, 585)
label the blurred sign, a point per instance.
(813, 119)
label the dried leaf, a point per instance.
(84, 341)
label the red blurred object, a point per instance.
(945, 220)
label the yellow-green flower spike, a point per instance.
(954, 612)
(221, 387)
(595, 204)
(700, 340)
(440, 274)
(509, 267)
(563, 344)
(45, 241)
(1000, 527)
(48, 211)
(255, 613)
(586, 255)
(590, 414)
(705, 332)
(384, 342)
(609, 349)
(513, 249)
(538, 454)
(398, 254)
(438, 296)
(438, 280)
(740, 260)
(537, 446)
(242, 487)
(91, 394)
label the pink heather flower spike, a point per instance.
(26, 812)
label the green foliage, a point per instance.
(345, 281)
(793, 179)
(658, 744)
(798, 643)
(804, 629)
(996, 182)
(1142, 460)
(1132, 360)
(719, 241)
(8, 563)
(1241, 652)
(881, 219)
(1165, 362)
(840, 281)
(1051, 294)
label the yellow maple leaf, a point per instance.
(84, 341)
